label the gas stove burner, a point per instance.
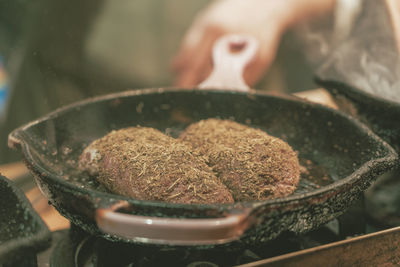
(74, 247)
(82, 250)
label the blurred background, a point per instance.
(53, 53)
(58, 52)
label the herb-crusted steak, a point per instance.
(145, 164)
(251, 163)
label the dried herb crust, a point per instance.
(145, 164)
(252, 164)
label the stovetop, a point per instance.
(367, 234)
(73, 247)
(350, 236)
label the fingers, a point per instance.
(263, 59)
(194, 63)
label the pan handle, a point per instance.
(231, 54)
(171, 231)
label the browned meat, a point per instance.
(145, 164)
(251, 163)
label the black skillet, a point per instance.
(342, 154)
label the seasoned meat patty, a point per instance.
(145, 164)
(251, 163)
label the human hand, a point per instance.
(266, 20)
(262, 19)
